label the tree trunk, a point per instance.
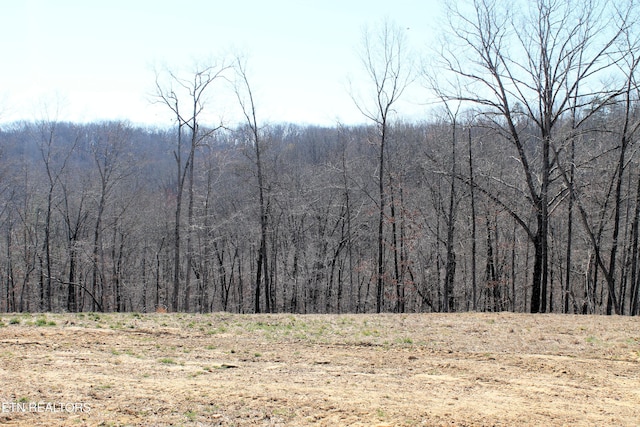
(472, 189)
(72, 306)
(189, 242)
(381, 209)
(46, 294)
(634, 253)
(450, 268)
(177, 226)
(567, 283)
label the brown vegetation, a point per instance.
(412, 370)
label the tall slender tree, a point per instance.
(109, 148)
(55, 160)
(186, 97)
(387, 63)
(247, 103)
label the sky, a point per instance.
(89, 60)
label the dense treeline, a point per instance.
(523, 195)
(88, 220)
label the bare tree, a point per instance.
(186, 98)
(247, 103)
(523, 72)
(55, 162)
(108, 146)
(628, 44)
(74, 213)
(386, 62)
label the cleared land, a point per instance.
(334, 370)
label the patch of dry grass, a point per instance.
(468, 369)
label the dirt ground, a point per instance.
(329, 370)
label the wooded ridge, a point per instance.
(89, 213)
(522, 192)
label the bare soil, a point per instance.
(330, 370)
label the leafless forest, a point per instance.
(521, 193)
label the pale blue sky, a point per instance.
(95, 59)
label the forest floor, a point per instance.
(224, 369)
